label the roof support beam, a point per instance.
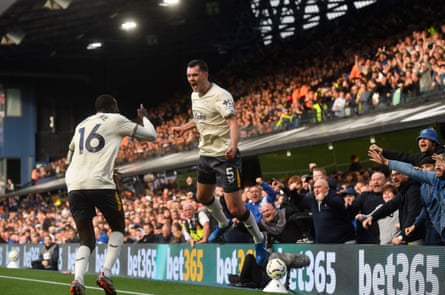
(5, 4)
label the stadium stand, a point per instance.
(345, 75)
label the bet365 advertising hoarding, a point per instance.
(334, 269)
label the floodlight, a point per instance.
(129, 25)
(167, 3)
(94, 45)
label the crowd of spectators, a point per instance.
(158, 214)
(297, 90)
(305, 89)
(399, 70)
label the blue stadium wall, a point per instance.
(19, 140)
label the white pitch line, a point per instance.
(65, 284)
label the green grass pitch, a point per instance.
(37, 282)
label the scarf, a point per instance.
(276, 226)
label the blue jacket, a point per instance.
(332, 223)
(437, 197)
(431, 207)
(255, 208)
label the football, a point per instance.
(276, 269)
(13, 255)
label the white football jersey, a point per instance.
(210, 112)
(94, 147)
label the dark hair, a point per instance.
(198, 62)
(177, 225)
(105, 103)
(427, 160)
(390, 187)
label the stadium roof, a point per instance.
(40, 33)
(51, 31)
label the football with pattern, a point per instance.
(276, 269)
